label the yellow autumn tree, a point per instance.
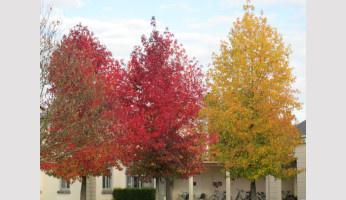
(251, 101)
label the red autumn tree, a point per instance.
(167, 96)
(86, 113)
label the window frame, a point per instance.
(64, 186)
(107, 181)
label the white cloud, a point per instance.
(297, 39)
(237, 3)
(298, 60)
(276, 2)
(119, 36)
(162, 7)
(213, 21)
(64, 3)
(224, 20)
(300, 84)
(200, 46)
(180, 6)
(301, 114)
(232, 3)
(107, 8)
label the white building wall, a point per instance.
(91, 188)
(118, 180)
(300, 153)
(49, 187)
(273, 189)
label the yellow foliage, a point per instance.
(251, 101)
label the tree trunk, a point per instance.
(169, 187)
(83, 189)
(253, 190)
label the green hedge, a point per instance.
(134, 194)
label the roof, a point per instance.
(302, 128)
(42, 107)
(43, 111)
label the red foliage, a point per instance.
(86, 114)
(166, 98)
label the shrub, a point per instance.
(134, 194)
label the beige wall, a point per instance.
(300, 153)
(50, 185)
(119, 178)
(288, 185)
(91, 188)
(273, 189)
(118, 181)
(203, 183)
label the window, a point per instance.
(106, 181)
(148, 184)
(135, 182)
(64, 187)
(128, 181)
(64, 184)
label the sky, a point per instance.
(199, 25)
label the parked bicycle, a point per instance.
(261, 196)
(201, 197)
(185, 196)
(218, 195)
(287, 195)
(243, 195)
(182, 196)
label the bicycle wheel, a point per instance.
(181, 197)
(260, 198)
(291, 197)
(238, 197)
(213, 197)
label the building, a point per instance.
(213, 180)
